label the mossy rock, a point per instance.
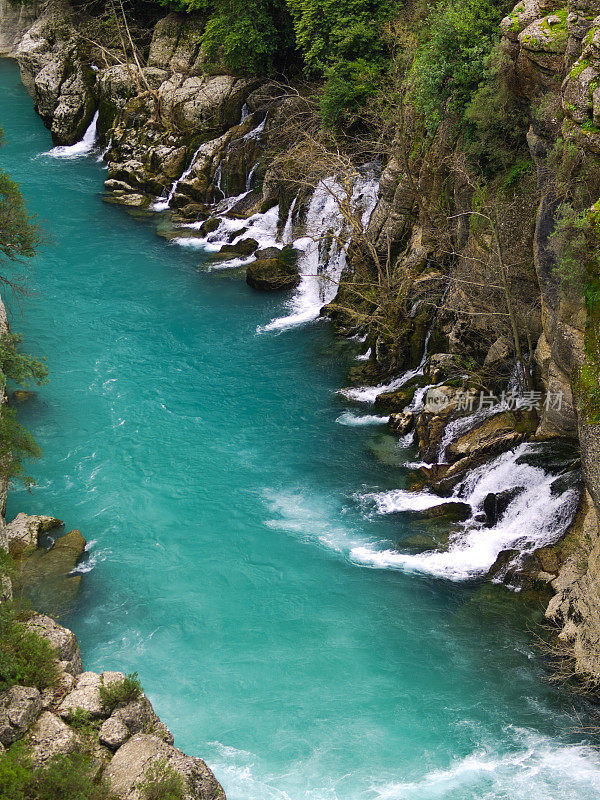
(209, 226)
(271, 274)
(398, 399)
(245, 247)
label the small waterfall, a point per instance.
(286, 235)
(249, 178)
(537, 516)
(162, 205)
(368, 394)
(105, 151)
(255, 132)
(78, 149)
(218, 178)
(320, 272)
(245, 112)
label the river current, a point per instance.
(206, 465)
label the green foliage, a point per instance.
(454, 55)
(18, 367)
(19, 235)
(495, 126)
(79, 718)
(16, 445)
(25, 657)
(62, 778)
(349, 85)
(249, 36)
(244, 33)
(516, 173)
(328, 31)
(162, 782)
(15, 773)
(119, 693)
(587, 387)
(575, 238)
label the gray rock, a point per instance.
(131, 762)
(61, 639)
(113, 733)
(85, 695)
(24, 532)
(50, 737)
(139, 717)
(19, 708)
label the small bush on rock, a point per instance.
(162, 782)
(25, 657)
(62, 778)
(79, 718)
(119, 693)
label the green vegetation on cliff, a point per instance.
(19, 237)
(64, 777)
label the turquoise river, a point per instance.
(204, 464)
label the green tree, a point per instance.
(457, 41)
(19, 237)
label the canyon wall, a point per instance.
(187, 138)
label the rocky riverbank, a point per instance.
(195, 147)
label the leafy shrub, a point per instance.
(62, 778)
(495, 125)
(119, 693)
(457, 41)
(79, 718)
(19, 367)
(162, 782)
(25, 657)
(349, 85)
(16, 445)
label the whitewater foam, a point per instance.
(79, 149)
(357, 420)
(320, 269)
(536, 517)
(536, 768)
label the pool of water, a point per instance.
(204, 464)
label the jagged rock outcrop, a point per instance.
(24, 532)
(124, 742)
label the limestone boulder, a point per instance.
(207, 103)
(49, 737)
(130, 764)
(24, 532)
(61, 639)
(19, 708)
(272, 274)
(113, 733)
(45, 575)
(401, 423)
(494, 435)
(85, 696)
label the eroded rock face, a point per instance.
(49, 737)
(60, 83)
(62, 640)
(19, 708)
(131, 762)
(24, 532)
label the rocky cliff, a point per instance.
(196, 142)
